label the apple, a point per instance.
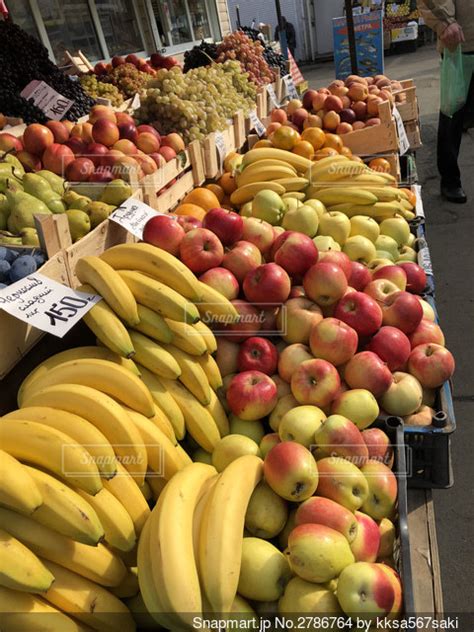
(291, 358)
(380, 289)
(416, 277)
(318, 553)
(258, 232)
(406, 253)
(264, 571)
(300, 423)
(267, 284)
(339, 437)
(365, 546)
(394, 273)
(290, 470)
(422, 417)
(306, 598)
(29, 161)
(333, 340)
(230, 448)
(297, 291)
(397, 228)
(227, 225)
(324, 511)
(105, 132)
(358, 405)
(359, 248)
(360, 276)
(383, 488)
(404, 396)
(96, 153)
(251, 395)
(359, 311)
(341, 481)
(268, 442)
(249, 322)
(164, 232)
(8, 143)
(379, 446)
(295, 253)
(431, 364)
(402, 310)
(303, 219)
(268, 206)
(428, 311)
(427, 331)
(336, 225)
(384, 243)
(37, 138)
(79, 170)
(387, 534)
(296, 318)
(284, 404)
(241, 259)
(56, 158)
(226, 356)
(315, 382)
(325, 283)
(365, 591)
(338, 258)
(367, 370)
(283, 387)
(366, 226)
(397, 587)
(258, 354)
(188, 223)
(221, 280)
(392, 346)
(201, 250)
(267, 512)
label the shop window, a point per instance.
(120, 26)
(181, 21)
(20, 12)
(200, 20)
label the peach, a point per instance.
(37, 138)
(60, 131)
(344, 128)
(126, 146)
(278, 115)
(8, 142)
(331, 120)
(320, 510)
(80, 170)
(168, 153)
(319, 101)
(122, 118)
(274, 125)
(56, 158)
(102, 112)
(147, 142)
(174, 141)
(106, 132)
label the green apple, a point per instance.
(379, 262)
(300, 424)
(359, 248)
(387, 244)
(252, 429)
(387, 537)
(246, 209)
(336, 225)
(406, 253)
(365, 226)
(318, 206)
(384, 254)
(411, 240)
(358, 405)
(304, 597)
(341, 481)
(242, 611)
(324, 243)
(397, 228)
(230, 448)
(264, 571)
(267, 513)
(303, 219)
(291, 204)
(283, 405)
(269, 206)
(287, 529)
(404, 396)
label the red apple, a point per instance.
(249, 323)
(251, 395)
(189, 223)
(359, 311)
(380, 289)
(315, 382)
(366, 592)
(290, 359)
(258, 354)
(56, 158)
(117, 61)
(427, 331)
(295, 253)
(365, 547)
(333, 340)
(241, 259)
(416, 276)
(201, 250)
(367, 370)
(297, 291)
(165, 232)
(131, 59)
(402, 310)
(296, 319)
(383, 488)
(80, 170)
(76, 145)
(258, 232)
(396, 274)
(325, 283)
(379, 446)
(431, 364)
(338, 436)
(226, 356)
(360, 276)
(269, 283)
(105, 132)
(338, 258)
(320, 510)
(227, 225)
(392, 346)
(36, 138)
(291, 471)
(223, 281)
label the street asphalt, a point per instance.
(450, 233)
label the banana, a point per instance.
(129, 587)
(297, 195)
(118, 527)
(161, 265)
(106, 282)
(335, 171)
(222, 528)
(300, 163)
(64, 511)
(146, 491)
(104, 413)
(90, 603)
(163, 423)
(164, 401)
(51, 449)
(153, 325)
(125, 489)
(21, 611)
(141, 616)
(96, 563)
(342, 208)
(208, 336)
(162, 455)
(159, 297)
(174, 529)
(293, 184)
(378, 209)
(107, 377)
(17, 490)
(338, 195)
(185, 458)
(104, 324)
(317, 169)
(206, 493)
(154, 357)
(210, 368)
(78, 429)
(384, 193)
(264, 173)
(186, 337)
(268, 162)
(371, 177)
(20, 569)
(218, 414)
(156, 483)
(247, 192)
(199, 422)
(214, 307)
(192, 374)
(408, 215)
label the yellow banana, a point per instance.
(106, 282)
(129, 587)
(408, 215)
(208, 336)
(199, 422)
(20, 569)
(153, 325)
(370, 177)
(161, 265)
(159, 297)
(104, 413)
(338, 195)
(210, 368)
(297, 195)
(65, 511)
(78, 429)
(335, 171)
(247, 192)
(17, 490)
(154, 357)
(192, 374)
(214, 307)
(185, 458)
(107, 377)
(147, 492)
(293, 183)
(87, 601)
(383, 193)
(267, 162)
(218, 414)
(164, 401)
(141, 616)
(163, 423)
(125, 489)
(264, 173)
(300, 163)
(379, 209)
(51, 449)
(206, 493)
(222, 528)
(104, 324)
(97, 563)
(186, 337)
(156, 483)
(342, 208)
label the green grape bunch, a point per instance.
(99, 89)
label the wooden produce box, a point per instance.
(393, 158)
(408, 107)
(379, 139)
(231, 139)
(414, 134)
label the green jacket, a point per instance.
(438, 14)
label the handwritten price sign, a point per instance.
(46, 304)
(256, 123)
(53, 104)
(133, 215)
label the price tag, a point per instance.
(53, 104)
(135, 104)
(273, 98)
(256, 123)
(133, 215)
(424, 260)
(420, 211)
(221, 147)
(402, 135)
(290, 87)
(46, 304)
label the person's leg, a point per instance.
(449, 142)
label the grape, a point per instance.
(96, 88)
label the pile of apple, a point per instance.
(109, 145)
(149, 66)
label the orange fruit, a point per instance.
(191, 210)
(325, 152)
(411, 196)
(217, 190)
(273, 128)
(357, 158)
(380, 164)
(262, 143)
(285, 137)
(345, 151)
(315, 136)
(203, 197)
(334, 141)
(304, 148)
(227, 183)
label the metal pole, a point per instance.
(281, 30)
(237, 10)
(351, 36)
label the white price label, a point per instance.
(221, 147)
(133, 215)
(257, 124)
(136, 103)
(402, 135)
(273, 97)
(46, 304)
(290, 87)
(53, 104)
(424, 260)
(420, 211)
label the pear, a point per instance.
(79, 223)
(8, 180)
(39, 187)
(17, 167)
(23, 209)
(75, 200)
(3, 221)
(116, 192)
(98, 212)
(55, 182)
(8, 238)
(29, 237)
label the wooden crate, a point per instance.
(211, 159)
(378, 139)
(393, 158)
(409, 107)
(414, 134)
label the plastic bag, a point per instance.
(453, 82)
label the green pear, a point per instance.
(116, 192)
(3, 221)
(75, 200)
(29, 237)
(98, 212)
(23, 209)
(55, 182)
(9, 180)
(38, 187)
(8, 238)
(17, 167)
(79, 223)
